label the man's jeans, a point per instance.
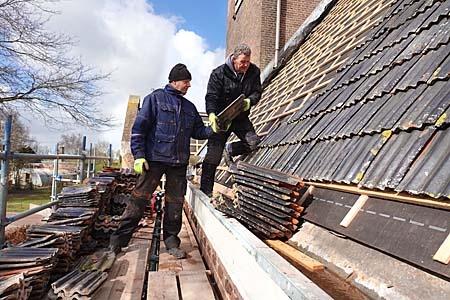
(173, 204)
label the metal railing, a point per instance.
(7, 154)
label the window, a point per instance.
(237, 4)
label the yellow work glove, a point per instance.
(246, 104)
(140, 165)
(213, 120)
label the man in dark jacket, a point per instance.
(160, 143)
(227, 82)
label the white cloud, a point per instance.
(140, 47)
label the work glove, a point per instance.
(140, 165)
(246, 104)
(214, 121)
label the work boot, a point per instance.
(207, 179)
(107, 261)
(177, 253)
(227, 155)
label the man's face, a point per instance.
(241, 63)
(181, 85)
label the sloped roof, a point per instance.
(312, 67)
(380, 119)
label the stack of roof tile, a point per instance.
(107, 223)
(106, 187)
(52, 249)
(14, 287)
(79, 196)
(77, 285)
(36, 266)
(118, 204)
(76, 216)
(67, 239)
(265, 200)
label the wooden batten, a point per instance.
(383, 195)
(443, 253)
(296, 257)
(354, 210)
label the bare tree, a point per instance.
(102, 148)
(20, 134)
(20, 142)
(36, 72)
(71, 142)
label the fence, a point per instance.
(7, 154)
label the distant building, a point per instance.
(125, 150)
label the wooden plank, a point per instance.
(195, 286)
(383, 195)
(309, 192)
(443, 253)
(162, 286)
(193, 262)
(167, 262)
(126, 277)
(354, 210)
(224, 190)
(296, 257)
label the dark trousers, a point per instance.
(249, 140)
(173, 204)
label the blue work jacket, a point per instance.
(164, 126)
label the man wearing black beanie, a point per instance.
(160, 143)
(179, 72)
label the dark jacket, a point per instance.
(224, 87)
(164, 126)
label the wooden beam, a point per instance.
(384, 195)
(354, 210)
(443, 253)
(195, 286)
(126, 277)
(309, 192)
(162, 285)
(224, 190)
(296, 257)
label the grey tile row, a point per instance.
(384, 114)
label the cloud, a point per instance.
(138, 46)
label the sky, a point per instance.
(139, 41)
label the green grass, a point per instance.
(18, 201)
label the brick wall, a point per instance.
(125, 151)
(255, 24)
(245, 27)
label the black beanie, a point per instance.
(179, 72)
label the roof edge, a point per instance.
(299, 37)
